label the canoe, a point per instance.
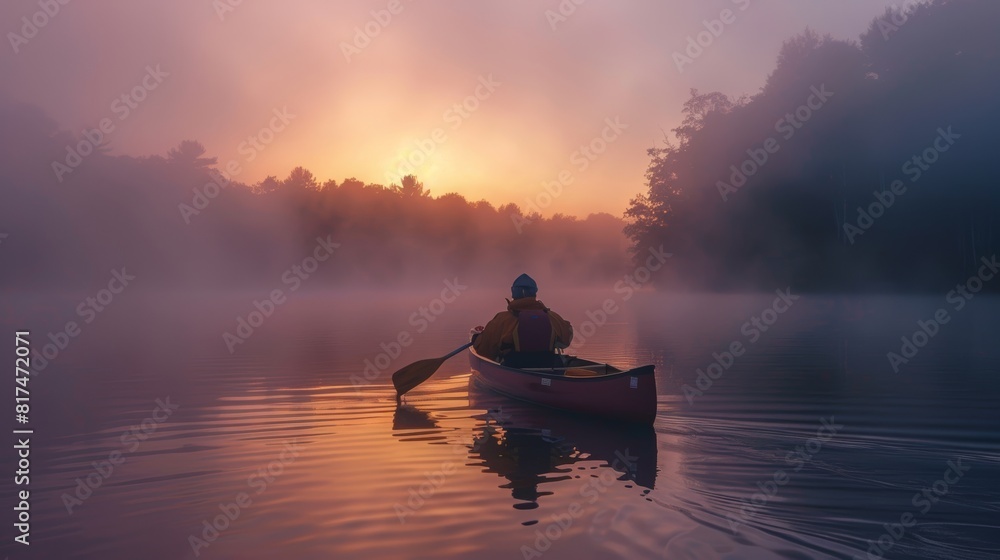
(582, 386)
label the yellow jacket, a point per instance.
(498, 336)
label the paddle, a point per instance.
(416, 373)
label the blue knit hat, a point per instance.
(524, 286)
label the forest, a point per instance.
(176, 222)
(860, 165)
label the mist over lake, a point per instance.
(487, 471)
(382, 280)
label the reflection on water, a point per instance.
(407, 420)
(537, 441)
(530, 446)
(458, 472)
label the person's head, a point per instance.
(524, 286)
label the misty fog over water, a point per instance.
(822, 361)
(232, 235)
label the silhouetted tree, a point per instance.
(410, 187)
(269, 184)
(189, 153)
(913, 74)
(300, 179)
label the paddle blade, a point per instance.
(414, 374)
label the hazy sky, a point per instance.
(362, 113)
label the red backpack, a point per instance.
(533, 332)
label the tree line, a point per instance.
(859, 165)
(176, 222)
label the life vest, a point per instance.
(533, 332)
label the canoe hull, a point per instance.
(628, 396)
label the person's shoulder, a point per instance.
(502, 315)
(556, 315)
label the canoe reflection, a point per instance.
(530, 446)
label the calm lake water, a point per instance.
(809, 445)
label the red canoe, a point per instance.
(581, 386)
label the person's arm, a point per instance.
(487, 343)
(562, 329)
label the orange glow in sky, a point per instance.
(490, 100)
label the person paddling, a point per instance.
(525, 336)
(527, 333)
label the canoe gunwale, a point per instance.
(560, 375)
